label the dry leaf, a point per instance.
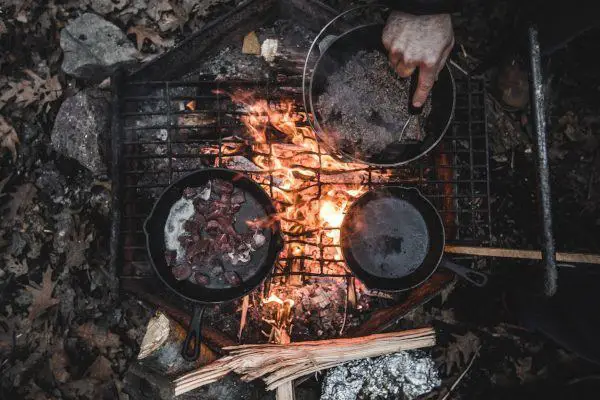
(100, 369)
(59, 362)
(97, 337)
(459, 352)
(8, 138)
(523, 369)
(77, 246)
(14, 266)
(30, 91)
(20, 199)
(251, 44)
(42, 295)
(142, 33)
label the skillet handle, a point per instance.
(191, 344)
(476, 278)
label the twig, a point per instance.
(457, 381)
(458, 67)
(245, 304)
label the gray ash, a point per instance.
(365, 106)
(203, 245)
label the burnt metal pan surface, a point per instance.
(336, 54)
(393, 239)
(257, 205)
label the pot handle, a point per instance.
(191, 344)
(475, 277)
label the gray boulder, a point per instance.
(94, 48)
(82, 123)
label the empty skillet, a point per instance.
(337, 53)
(257, 205)
(393, 239)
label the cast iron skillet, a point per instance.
(393, 239)
(337, 53)
(262, 260)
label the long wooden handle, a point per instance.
(582, 258)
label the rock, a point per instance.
(94, 48)
(268, 49)
(78, 126)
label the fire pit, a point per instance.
(250, 119)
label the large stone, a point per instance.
(94, 48)
(82, 122)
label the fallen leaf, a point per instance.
(251, 44)
(142, 33)
(14, 266)
(97, 337)
(459, 352)
(35, 90)
(59, 362)
(523, 369)
(3, 183)
(100, 369)
(8, 138)
(42, 295)
(20, 199)
(77, 247)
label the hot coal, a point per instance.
(365, 105)
(201, 237)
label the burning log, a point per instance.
(387, 317)
(161, 348)
(280, 364)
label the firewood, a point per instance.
(161, 348)
(280, 364)
(285, 392)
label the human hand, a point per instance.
(418, 41)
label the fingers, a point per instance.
(405, 70)
(427, 77)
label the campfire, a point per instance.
(310, 213)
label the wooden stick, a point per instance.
(277, 365)
(578, 258)
(245, 304)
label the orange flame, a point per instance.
(310, 214)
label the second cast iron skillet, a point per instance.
(393, 239)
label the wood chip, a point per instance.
(251, 44)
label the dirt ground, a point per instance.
(66, 331)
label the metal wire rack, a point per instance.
(168, 129)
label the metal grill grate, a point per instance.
(168, 129)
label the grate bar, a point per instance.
(160, 145)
